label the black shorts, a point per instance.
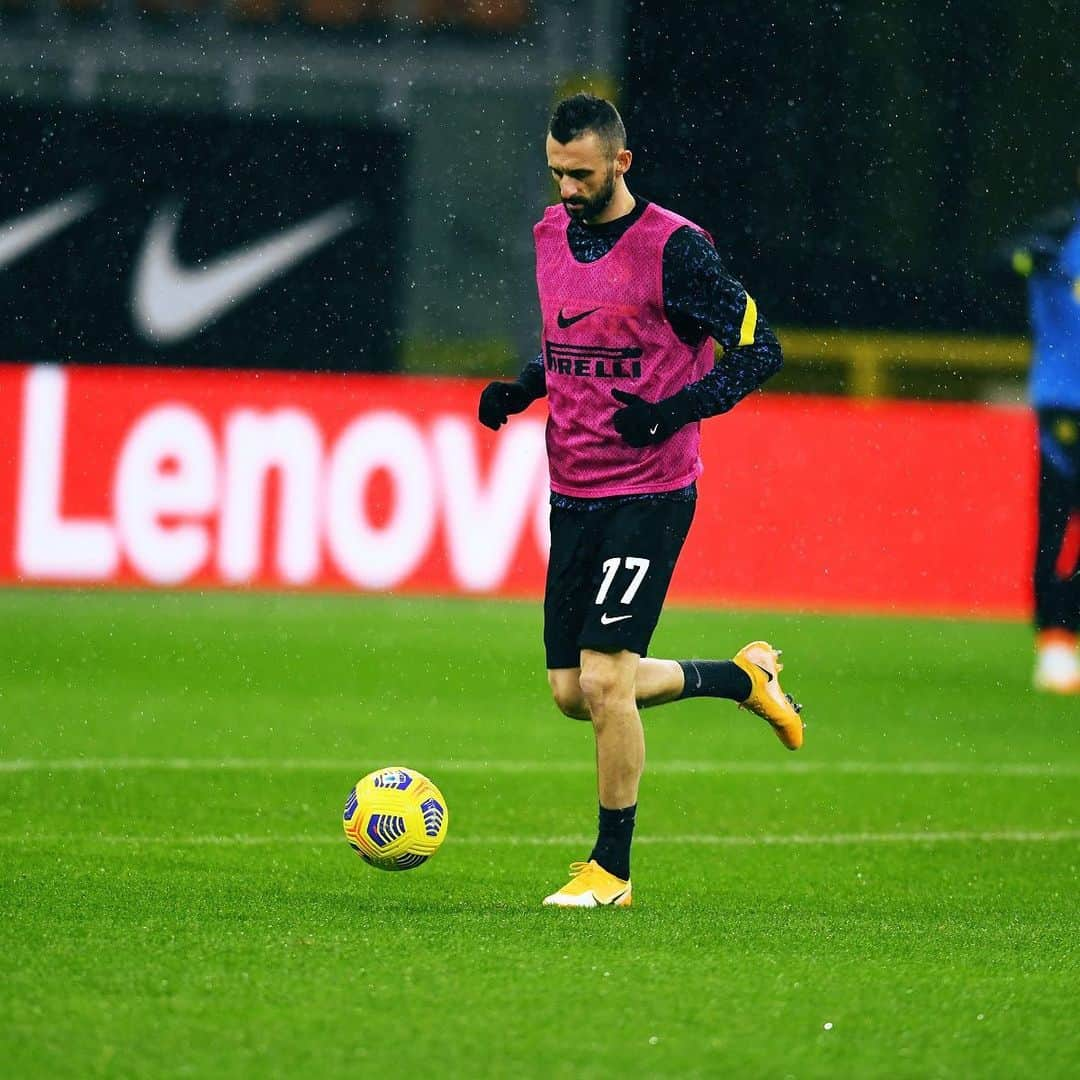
(608, 574)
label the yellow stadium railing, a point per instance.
(872, 358)
(873, 363)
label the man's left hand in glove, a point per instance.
(644, 423)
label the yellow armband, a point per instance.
(749, 322)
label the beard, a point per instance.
(591, 207)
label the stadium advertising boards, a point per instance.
(187, 478)
(146, 237)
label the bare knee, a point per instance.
(607, 679)
(572, 705)
(598, 685)
(566, 690)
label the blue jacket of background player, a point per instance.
(1048, 255)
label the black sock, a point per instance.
(715, 678)
(612, 850)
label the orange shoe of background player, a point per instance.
(1057, 667)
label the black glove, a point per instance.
(498, 400)
(642, 423)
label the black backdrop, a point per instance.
(233, 184)
(858, 163)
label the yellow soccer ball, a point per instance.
(395, 818)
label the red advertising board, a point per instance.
(192, 478)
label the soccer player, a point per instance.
(1048, 255)
(631, 297)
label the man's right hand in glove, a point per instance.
(499, 400)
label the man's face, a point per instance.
(585, 174)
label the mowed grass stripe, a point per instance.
(921, 904)
(764, 768)
(1014, 836)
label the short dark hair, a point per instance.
(574, 116)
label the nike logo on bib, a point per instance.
(607, 620)
(564, 321)
(172, 302)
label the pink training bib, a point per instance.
(604, 328)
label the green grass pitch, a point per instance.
(177, 899)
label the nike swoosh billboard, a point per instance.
(207, 240)
(172, 303)
(32, 229)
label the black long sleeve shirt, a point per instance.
(701, 300)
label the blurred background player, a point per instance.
(632, 296)
(1048, 255)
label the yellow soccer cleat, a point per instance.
(590, 885)
(761, 662)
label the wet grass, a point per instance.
(176, 897)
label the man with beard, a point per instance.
(632, 297)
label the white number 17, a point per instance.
(611, 568)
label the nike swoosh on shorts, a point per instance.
(607, 620)
(28, 231)
(172, 302)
